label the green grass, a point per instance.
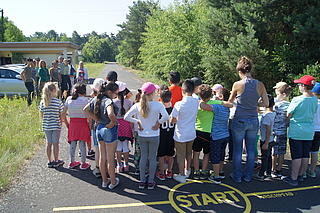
(20, 136)
(94, 69)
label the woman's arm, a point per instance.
(233, 92)
(263, 94)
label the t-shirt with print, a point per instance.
(75, 107)
(51, 115)
(280, 120)
(301, 122)
(167, 128)
(176, 94)
(185, 111)
(267, 118)
(220, 122)
(204, 118)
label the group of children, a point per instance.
(185, 121)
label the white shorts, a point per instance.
(123, 146)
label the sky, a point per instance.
(66, 16)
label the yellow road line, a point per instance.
(283, 190)
(168, 202)
(110, 206)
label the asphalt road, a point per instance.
(42, 189)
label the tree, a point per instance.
(98, 50)
(172, 42)
(12, 33)
(132, 32)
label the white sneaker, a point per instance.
(180, 178)
(105, 184)
(112, 186)
(187, 173)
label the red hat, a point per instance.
(306, 80)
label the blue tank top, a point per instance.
(247, 101)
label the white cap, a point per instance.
(97, 83)
(122, 85)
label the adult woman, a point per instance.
(246, 93)
(55, 75)
(26, 76)
(43, 73)
(82, 73)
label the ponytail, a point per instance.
(105, 87)
(121, 97)
(79, 88)
(144, 106)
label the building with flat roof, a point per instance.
(47, 51)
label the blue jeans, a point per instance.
(247, 129)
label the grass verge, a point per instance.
(94, 69)
(20, 136)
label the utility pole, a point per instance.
(2, 20)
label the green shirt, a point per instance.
(204, 118)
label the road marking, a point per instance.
(283, 190)
(170, 201)
(110, 206)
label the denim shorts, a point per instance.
(300, 148)
(108, 135)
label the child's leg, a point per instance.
(125, 152)
(269, 165)
(221, 166)
(103, 160)
(49, 144)
(170, 163)
(56, 151)
(111, 149)
(49, 151)
(275, 162)
(56, 140)
(264, 159)
(137, 153)
(153, 147)
(119, 157)
(83, 150)
(96, 157)
(144, 147)
(196, 161)
(181, 155)
(189, 155)
(73, 146)
(205, 161)
(161, 164)
(313, 161)
(280, 162)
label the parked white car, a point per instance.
(11, 82)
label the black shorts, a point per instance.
(202, 141)
(315, 142)
(300, 148)
(166, 146)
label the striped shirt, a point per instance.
(75, 107)
(51, 115)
